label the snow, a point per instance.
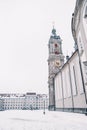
(36, 120)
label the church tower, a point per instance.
(55, 62)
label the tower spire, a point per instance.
(53, 23)
(53, 30)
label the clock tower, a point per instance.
(55, 62)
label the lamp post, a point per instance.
(44, 107)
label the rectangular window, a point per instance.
(64, 84)
(75, 79)
(67, 81)
(85, 73)
(85, 16)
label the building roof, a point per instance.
(69, 59)
(30, 93)
(54, 35)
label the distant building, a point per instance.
(13, 103)
(1, 104)
(42, 101)
(28, 101)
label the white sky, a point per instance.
(25, 28)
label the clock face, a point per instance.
(57, 63)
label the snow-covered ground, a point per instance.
(36, 120)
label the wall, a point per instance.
(69, 93)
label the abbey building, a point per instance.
(67, 82)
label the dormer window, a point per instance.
(85, 16)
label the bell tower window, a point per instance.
(56, 45)
(56, 52)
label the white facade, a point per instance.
(69, 92)
(13, 103)
(71, 80)
(28, 101)
(79, 31)
(80, 35)
(1, 104)
(42, 101)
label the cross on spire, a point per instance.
(53, 23)
(53, 30)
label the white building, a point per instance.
(42, 101)
(69, 90)
(79, 31)
(70, 82)
(28, 101)
(13, 103)
(1, 104)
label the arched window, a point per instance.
(56, 45)
(56, 52)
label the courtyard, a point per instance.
(36, 120)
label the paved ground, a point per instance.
(36, 120)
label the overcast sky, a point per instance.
(25, 29)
